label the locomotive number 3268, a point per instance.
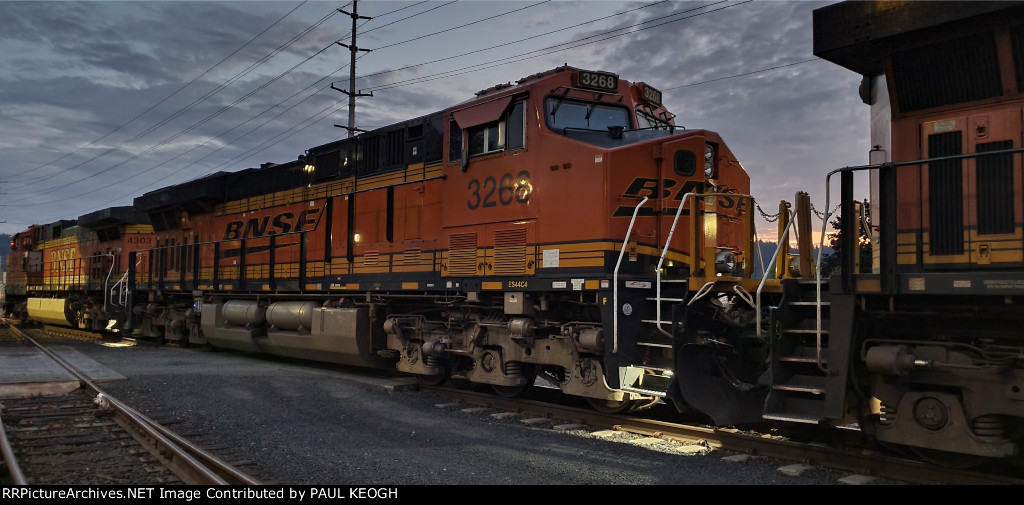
(492, 191)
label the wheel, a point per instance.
(612, 406)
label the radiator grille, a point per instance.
(946, 73)
(995, 189)
(411, 257)
(370, 258)
(462, 254)
(510, 252)
(945, 195)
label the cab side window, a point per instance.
(506, 133)
(454, 142)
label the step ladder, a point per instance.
(801, 363)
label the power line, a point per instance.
(507, 43)
(251, 118)
(179, 90)
(413, 81)
(744, 74)
(558, 47)
(189, 107)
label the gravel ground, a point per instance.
(316, 425)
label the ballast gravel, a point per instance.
(314, 424)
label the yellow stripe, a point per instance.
(410, 285)
(491, 285)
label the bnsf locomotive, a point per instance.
(563, 229)
(62, 273)
(927, 344)
(541, 230)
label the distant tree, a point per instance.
(831, 263)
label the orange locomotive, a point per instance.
(62, 273)
(924, 347)
(519, 235)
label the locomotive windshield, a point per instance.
(601, 124)
(563, 113)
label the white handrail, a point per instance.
(106, 281)
(817, 272)
(664, 250)
(615, 280)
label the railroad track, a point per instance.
(843, 458)
(839, 456)
(89, 437)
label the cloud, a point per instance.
(104, 101)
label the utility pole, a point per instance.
(351, 91)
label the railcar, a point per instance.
(924, 347)
(542, 230)
(62, 273)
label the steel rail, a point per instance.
(192, 464)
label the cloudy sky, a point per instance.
(104, 101)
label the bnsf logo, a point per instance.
(63, 254)
(646, 186)
(284, 222)
(62, 259)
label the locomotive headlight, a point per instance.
(794, 266)
(709, 157)
(725, 262)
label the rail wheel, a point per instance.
(613, 406)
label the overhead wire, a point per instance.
(263, 146)
(557, 47)
(192, 105)
(255, 116)
(37, 179)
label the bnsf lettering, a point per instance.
(285, 222)
(63, 254)
(62, 260)
(644, 186)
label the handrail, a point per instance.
(783, 239)
(817, 272)
(122, 298)
(664, 250)
(615, 279)
(106, 282)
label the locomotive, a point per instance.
(926, 344)
(523, 235)
(563, 229)
(62, 273)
